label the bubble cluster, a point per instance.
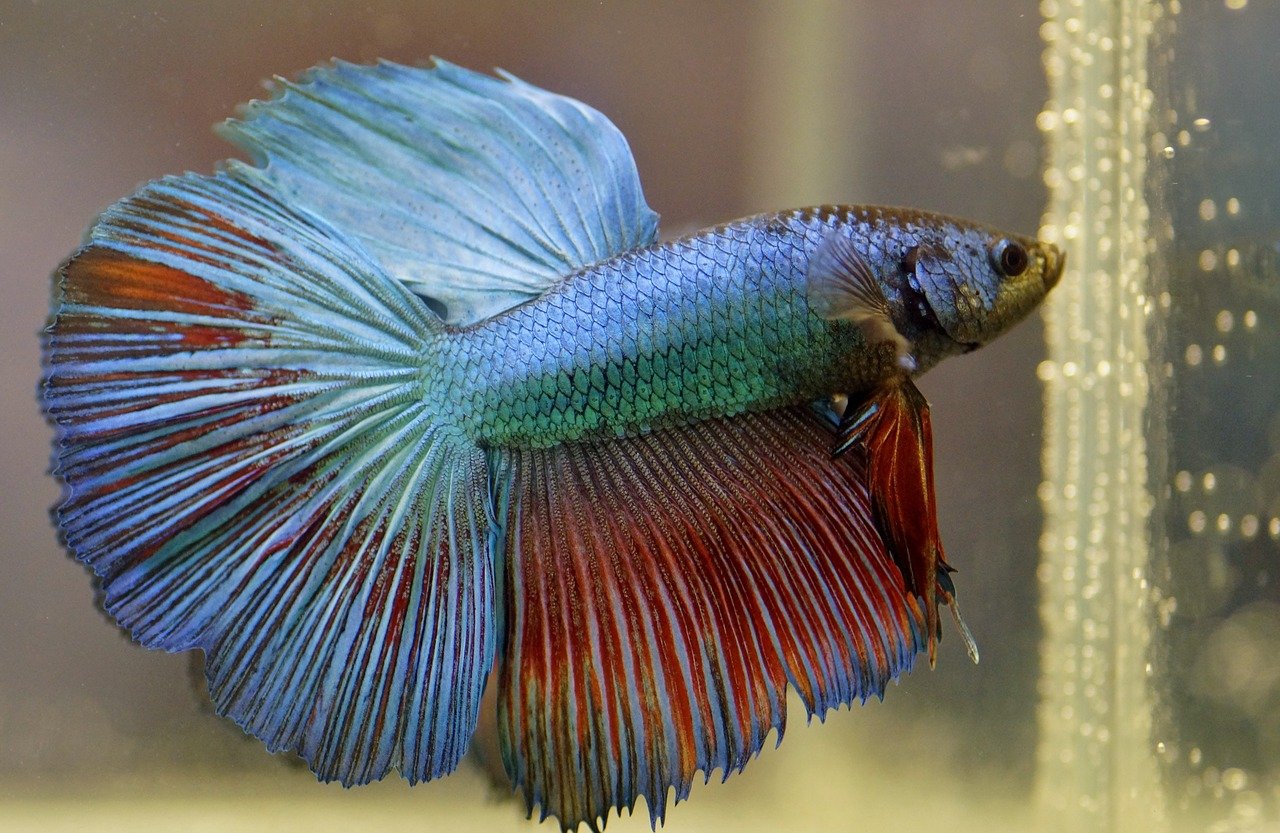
(1098, 599)
(1225, 502)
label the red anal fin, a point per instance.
(892, 426)
(664, 590)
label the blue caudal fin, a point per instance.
(254, 465)
(488, 190)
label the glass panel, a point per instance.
(1220, 142)
(1163, 392)
(1157, 680)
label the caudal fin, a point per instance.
(254, 465)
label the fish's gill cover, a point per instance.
(488, 190)
(664, 590)
(253, 466)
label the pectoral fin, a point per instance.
(892, 427)
(842, 285)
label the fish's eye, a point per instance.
(1009, 258)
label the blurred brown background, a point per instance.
(731, 108)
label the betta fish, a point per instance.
(416, 394)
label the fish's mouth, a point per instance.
(1053, 260)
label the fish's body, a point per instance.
(711, 325)
(418, 396)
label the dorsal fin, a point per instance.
(477, 192)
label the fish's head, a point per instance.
(973, 283)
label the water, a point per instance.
(1220, 492)
(1124, 595)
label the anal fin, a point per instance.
(663, 590)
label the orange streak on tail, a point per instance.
(102, 277)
